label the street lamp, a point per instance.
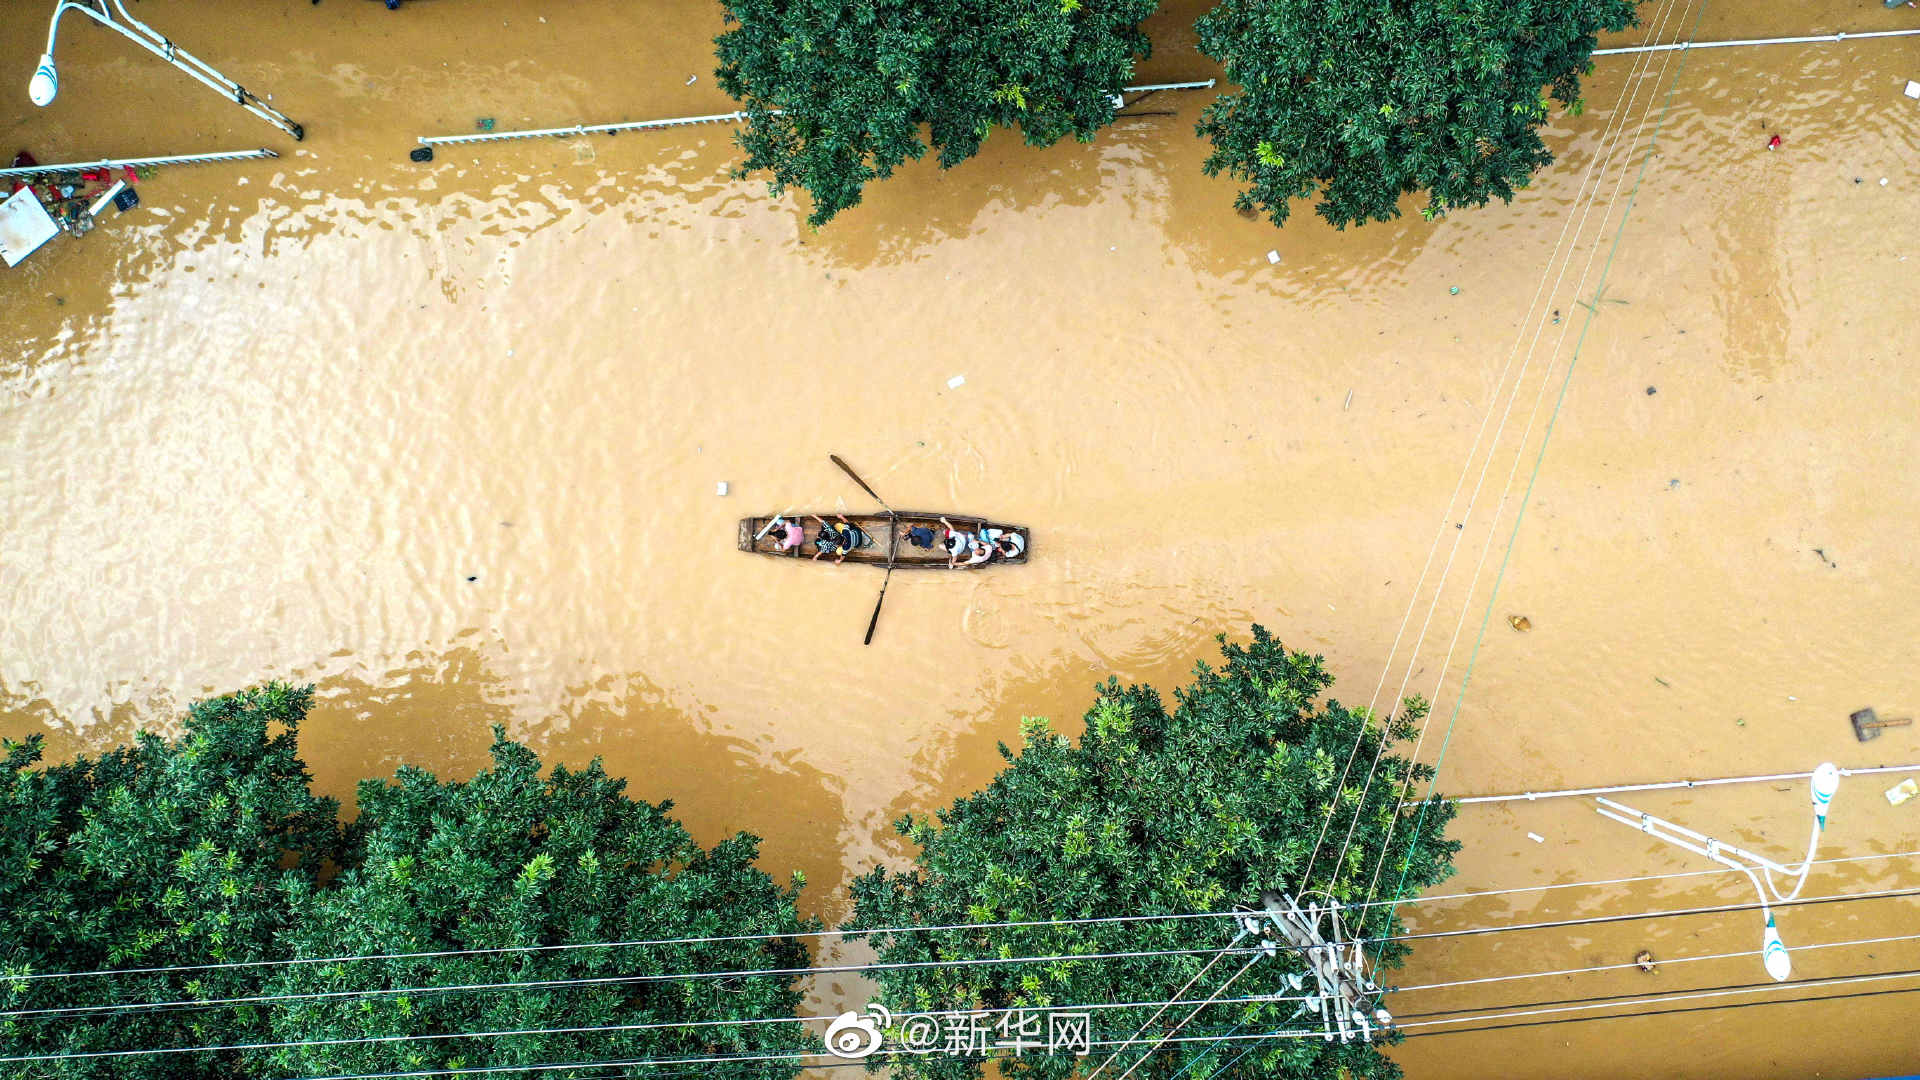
(46, 79)
(1773, 952)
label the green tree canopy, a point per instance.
(512, 858)
(159, 854)
(211, 850)
(1157, 812)
(1363, 101)
(837, 92)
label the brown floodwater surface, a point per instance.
(443, 440)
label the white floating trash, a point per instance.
(1273, 257)
(720, 488)
(24, 226)
(1913, 89)
(956, 382)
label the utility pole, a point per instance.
(1347, 1002)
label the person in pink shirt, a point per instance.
(788, 535)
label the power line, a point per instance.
(611, 980)
(1440, 530)
(1634, 963)
(1884, 894)
(1540, 456)
(647, 943)
(1612, 881)
(1183, 989)
(1252, 1038)
(1020, 924)
(296, 1044)
(1597, 167)
(1175, 1030)
(1668, 1012)
(1638, 998)
(1754, 988)
(756, 1021)
(747, 1058)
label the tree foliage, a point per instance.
(1361, 102)
(1162, 812)
(837, 92)
(512, 858)
(159, 854)
(211, 849)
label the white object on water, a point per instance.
(1826, 781)
(690, 79)
(720, 488)
(956, 382)
(1773, 953)
(106, 197)
(1273, 256)
(1902, 791)
(24, 226)
(45, 82)
(1536, 838)
(1913, 89)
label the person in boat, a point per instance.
(920, 536)
(1006, 543)
(787, 535)
(963, 548)
(837, 538)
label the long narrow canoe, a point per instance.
(888, 536)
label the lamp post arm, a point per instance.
(53, 25)
(159, 45)
(1657, 829)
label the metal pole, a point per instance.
(116, 163)
(1818, 39)
(1669, 785)
(685, 121)
(156, 43)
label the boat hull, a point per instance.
(889, 539)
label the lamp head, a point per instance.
(1826, 781)
(1773, 953)
(46, 82)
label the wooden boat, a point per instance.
(886, 539)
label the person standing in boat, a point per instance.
(837, 538)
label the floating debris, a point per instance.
(1520, 623)
(1644, 960)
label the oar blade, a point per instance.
(848, 469)
(875, 621)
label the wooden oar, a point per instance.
(875, 621)
(845, 468)
(894, 541)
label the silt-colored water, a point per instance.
(444, 439)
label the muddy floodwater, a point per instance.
(444, 440)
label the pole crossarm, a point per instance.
(1347, 999)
